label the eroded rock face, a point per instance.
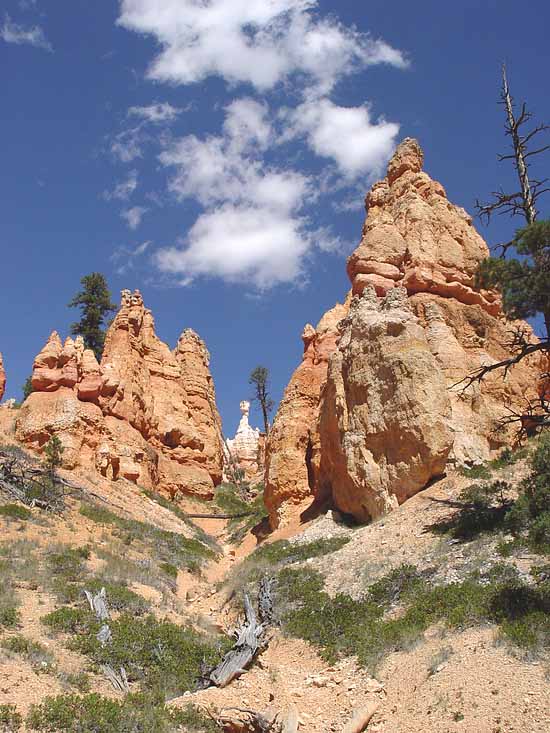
(244, 451)
(367, 444)
(385, 415)
(415, 238)
(147, 414)
(292, 454)
(2, 378)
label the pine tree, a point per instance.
(94, 301)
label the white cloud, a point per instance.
(33, 36)
(133, 216)
(252, 245)
(346, 135)
(155, 113)
(123, 190)
(260, 42)
(253, 229)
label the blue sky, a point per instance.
(216, 155)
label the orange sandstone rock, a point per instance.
(292, 452)
(391, 412)
(415, 237)
(147, 414)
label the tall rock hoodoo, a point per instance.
(2, 378)
(293, 444)
(384, 414)
(245, 450)
(146, 413)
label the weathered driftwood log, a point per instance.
(119, 680)
(361, 718)
(98, 604)
(250, 637)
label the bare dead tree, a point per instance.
(524, 147)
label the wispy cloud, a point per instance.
(156, 113)
(134, 216)
(124, 258)
(24, 35)
(124, 189)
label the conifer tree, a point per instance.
(259, 378)
(94, 301)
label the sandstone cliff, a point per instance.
(292, 453)
(2, 378)
(369, 437)
(147, 414)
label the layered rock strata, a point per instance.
(146, 413)
(352, 443)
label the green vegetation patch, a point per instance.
(10, 720)
(166, 546)
(487, 507)
(15, 511)
(37, 655)
(158, 654)
(9, 601)
(230, 501)
(343, 626)
(96, 714)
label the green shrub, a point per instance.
(68, 620)
(158, 654)
(119, 596)
(283, 551)
(230, 501)
(480, 471)
(169, 569)
(37, 655)
(10, 720)
(484, 508)
(15, 511)
(79, 680)
(9, 616)
(343, 626)
(96, 714)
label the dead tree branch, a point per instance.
(524, 201)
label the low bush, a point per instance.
(10, 720)
(15, 511)
(165, 546)
(96, 714)
(68, 620)
(343, 626)
(37, 655)
(159, 654)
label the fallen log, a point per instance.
(250, 640)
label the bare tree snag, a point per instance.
(524, 201)
(250, 640)
(98, 604)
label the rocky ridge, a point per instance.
(362, 438)
(146, 413)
